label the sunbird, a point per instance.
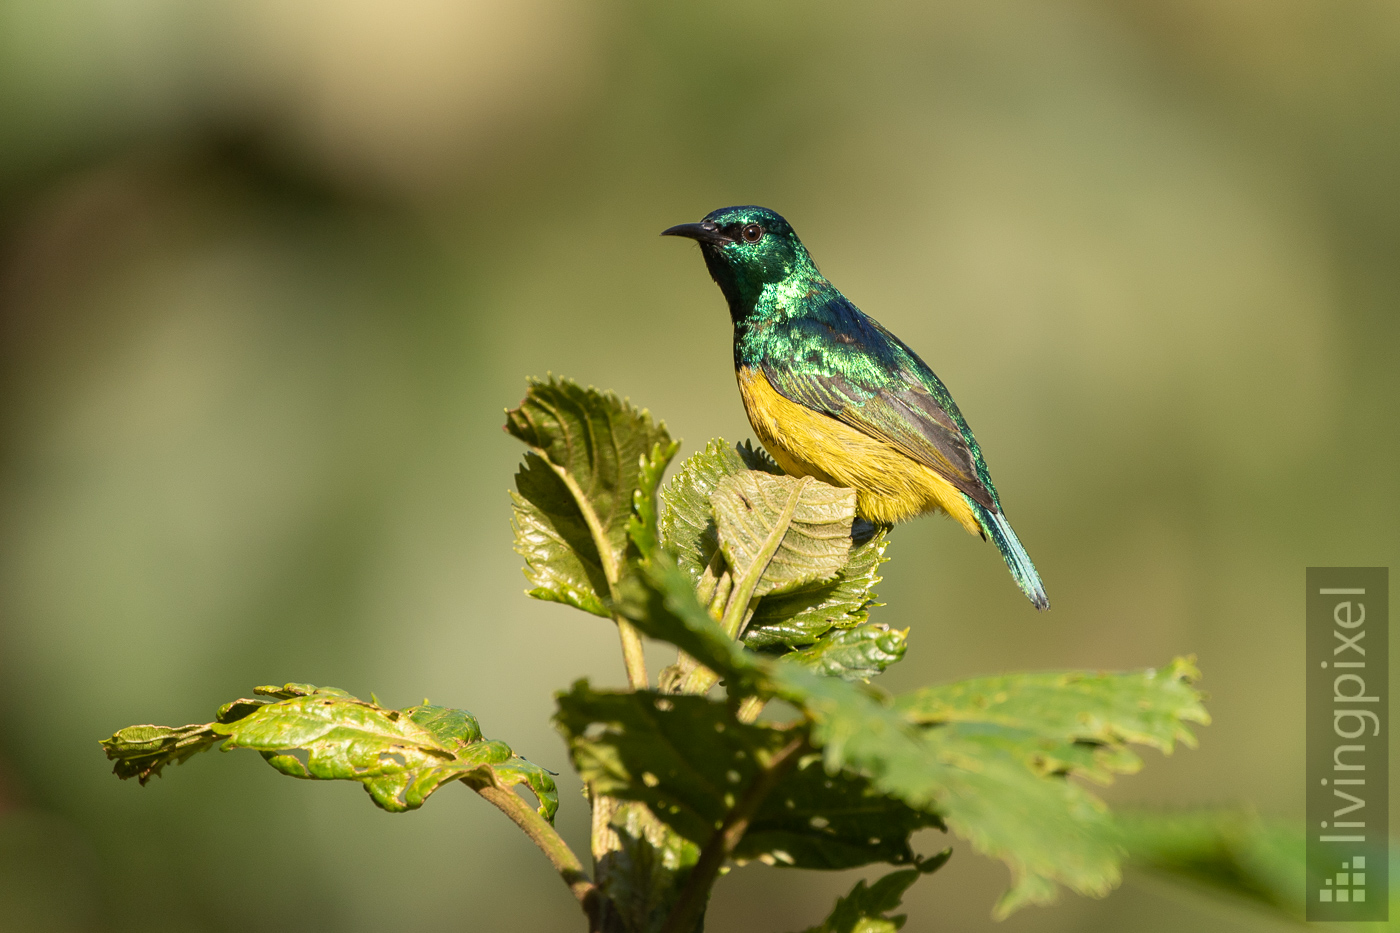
(833, 395)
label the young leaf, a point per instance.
(688, 759)
(803, 614)
(399, 756)
(687, 522)
(574, 494)
(785, 531)
(864, 909)
(142, 752)
(853, 653)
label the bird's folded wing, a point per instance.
(906, 416)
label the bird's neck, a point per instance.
(755, 302)
(762, 328)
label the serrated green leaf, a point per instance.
(400, 757)
(1003, 787)
(688, 759)
(787, 531)
(853, 653)
(574, 494)
(1101, 711)
(756, 458)
(803, 614)
(687, 525)
(864, 909)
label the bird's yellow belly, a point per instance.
(889, 485)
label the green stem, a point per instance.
(691, 904)
(719, 595)
(705, 589)
(633, 655)
(553, 846)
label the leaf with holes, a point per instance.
(574, 493)
(688, 759)
(322, 733)
(1001, 786)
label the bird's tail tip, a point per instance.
(1017, 560)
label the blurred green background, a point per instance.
(269, 273)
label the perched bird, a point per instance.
(833, 395)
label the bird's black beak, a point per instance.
(706, 232)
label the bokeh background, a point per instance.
(269, 273)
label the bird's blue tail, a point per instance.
(1019, 562)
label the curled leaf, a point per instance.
(400, 757)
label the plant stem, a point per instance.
(691, 904)
(723, 587)
(553, 846)
(705, 589)
(633, 655)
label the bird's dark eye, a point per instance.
(752, 233)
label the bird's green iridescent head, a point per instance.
(753, 255)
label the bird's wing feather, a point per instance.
(904, 414)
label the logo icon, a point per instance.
(1350, 883)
